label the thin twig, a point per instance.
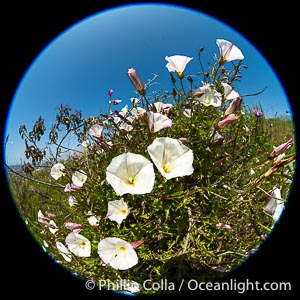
(231, 252)
(187, 237)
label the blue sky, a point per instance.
(86, 60)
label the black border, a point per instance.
(27, 27)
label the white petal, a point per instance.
(274, 205)
(182, 166)
(40, 214)
(67, 257)
(117, 210)
(72, 201)
(62, 248)
(78, 244)
(85, 143)
(177, 63)
(79, 178)
(109, 250)
(171, 154)
(278, 210)
(53, 228)
(93, 221)
(128, 168)
(229, 51)
(56, 171)
(96, 130)
(158, 121)
(229, 92)
(187, 112)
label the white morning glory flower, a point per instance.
(275, 205)
(228, 51)
(177, 63)
(229, 92)
(57, 171)
(72, 201)
(171, 157)
(130, 173)
(135, 101)
(117, 210)
(78, 244)
(53, 227)
(158, 121)
(207, 96)
(122, 124)
(162, 108)
(64, 252)
(93, 220)
(137, 112)
(117, 253)
(85, 143)
(187, 112)
(79, 178)
(251, 172)
(96, 130)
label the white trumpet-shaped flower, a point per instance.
(274, 205)
(117, 253)
(53, 227)
(158, 121)
(207, 96)
(78, 244)
(162, 108)
(130, 173)
(79, 178)
(57, 171)
(177, 63)
(93, 220)
(96, 130)
(117, 210)
(228, 51)
(85, 143)
(64, 252)
(229, 92)
(171, 157)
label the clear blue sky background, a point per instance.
(86, 60)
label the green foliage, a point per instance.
(192, 227)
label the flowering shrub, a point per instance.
(185, 184)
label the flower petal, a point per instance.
(78, 244)
(130, 173)
(79, 178)
(228, 51)
(117, 210)
(171, 157)
(117, 253)
(57, 171)
(158, 121)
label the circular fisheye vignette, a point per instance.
(196, 222)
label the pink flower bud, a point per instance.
(50, 215)
(135, 80)
(115, 102)
(223, 225)
(280, 149)
(233, 106)
(71, 225)
(71, 187)
(136, 244)
(223, 123)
